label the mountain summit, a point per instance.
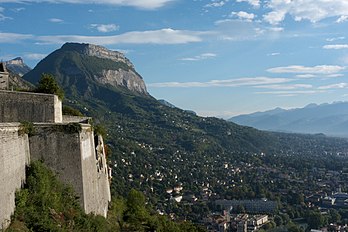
(81, 67)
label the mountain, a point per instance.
(17, 66)
(16, 69)
(78, 67)
(154, 147)
(330, 119)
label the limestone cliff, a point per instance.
(86, 69)
(125, 75)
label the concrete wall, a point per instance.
(31, 107)
(14, 156)
(73, 157)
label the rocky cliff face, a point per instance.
(79, 68)
(124, 75)
(97, 51)
(128, 79)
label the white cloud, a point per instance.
(254, 3)
(276, 29)
(145, 4)
(56, 20)
(105, 27)
(286, 87)
(292, 93)
(274, 17)
(312, 10)
(244, 15)
(216, 4)
(335, 86)
(19, 9)
(342, 19)
(335, 38)
(34, 56)
(203, 56)
(163, 36)
(248, 81)
(273, 54)
(320, 69)
(336, 46)
(305, 76)
(2, 16)
(13, 37)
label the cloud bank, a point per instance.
(145, 4)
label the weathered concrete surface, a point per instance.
(72, 156)
(14, 156)
(31, 107)
(4, 81)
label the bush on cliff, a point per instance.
(45, 204)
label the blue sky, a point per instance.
(216, 57)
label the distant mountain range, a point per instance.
(329, 119)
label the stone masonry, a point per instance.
(69, 148)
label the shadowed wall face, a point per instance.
(14, 156)
(30, 107)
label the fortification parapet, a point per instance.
(31, 107)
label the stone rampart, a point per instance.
(14, 156)
(31, 107)
(69, 150)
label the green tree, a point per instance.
(316, 220)
(47, 84)
(334, 216)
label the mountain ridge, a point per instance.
(330, 119)
(79, 66)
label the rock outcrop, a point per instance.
(17, 66)
(97, 51)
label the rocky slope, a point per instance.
(81, 67)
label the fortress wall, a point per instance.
(4, 80)
(31, 107)
(95, 174)
(14, 156)
(60, 151)
(73, 157)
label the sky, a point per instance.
(216, 57)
